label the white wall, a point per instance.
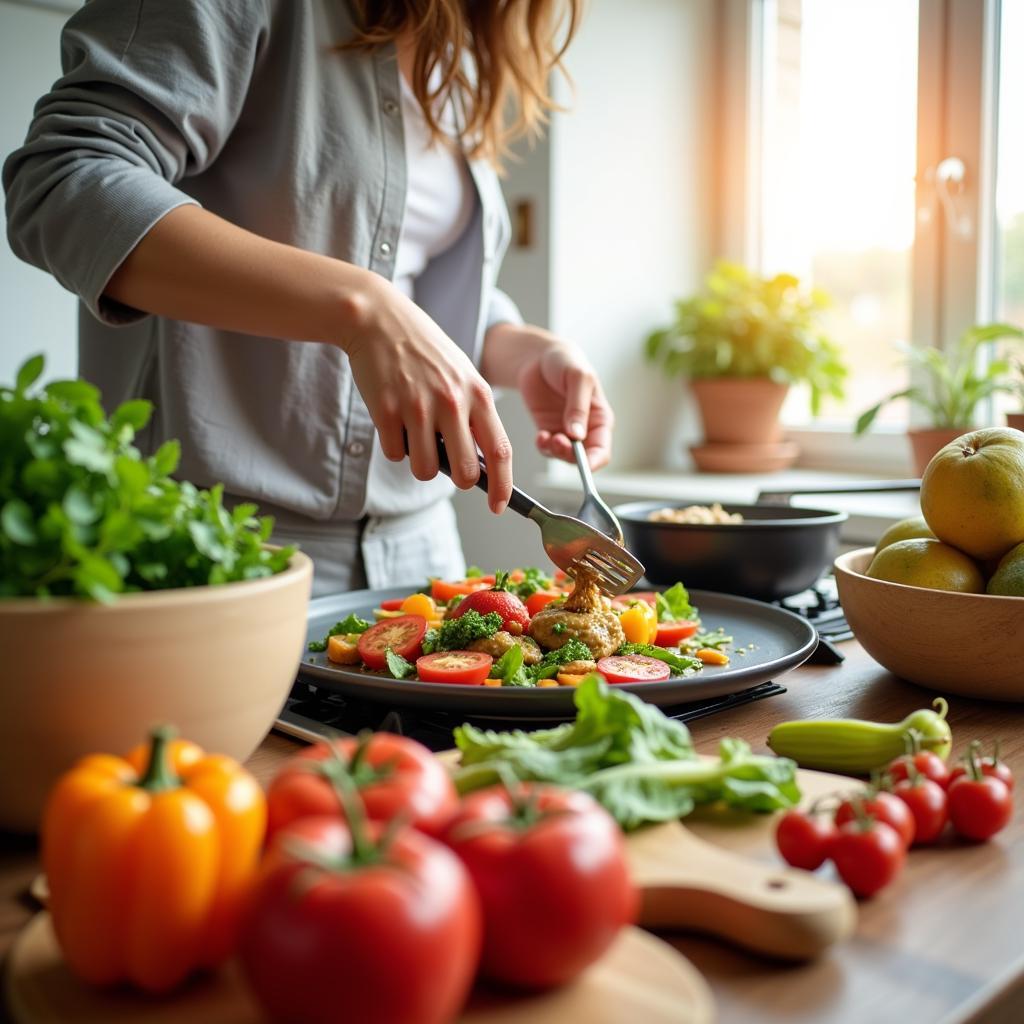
(624, 181)
(38, 315)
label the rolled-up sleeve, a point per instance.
(150, 93)
(502, 310)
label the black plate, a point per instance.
(781, 640)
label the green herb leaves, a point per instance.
(348, 625)
(674, 604)
(82, 512)
(637, 762)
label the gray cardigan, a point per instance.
(242, 106)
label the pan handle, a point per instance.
(864, 487)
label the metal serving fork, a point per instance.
(568, 542)
(594, 511)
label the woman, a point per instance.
(284, 222)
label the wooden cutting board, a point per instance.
(640, 978)
(720, 874)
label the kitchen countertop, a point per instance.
(942, 944)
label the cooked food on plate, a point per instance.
(528, 629)
(695, 515)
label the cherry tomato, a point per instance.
(804, 840)
(868, 855)
(924, 762)
(886, 808)
(506, 604)
(625, 600)
(672, 634)
(981, 807)
(633, 668)
(550, 868)
(991, 766)
(469, 667)
(392, 604)
(394, 775)
(360, 931)
(927, 802)
(445, 590)
(541, 599)
(403, 635)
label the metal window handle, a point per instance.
(950, 182)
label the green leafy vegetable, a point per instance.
(458, 634)
(715, 640)
(350, 624)
(533, 580)
(509, 668)
(674, 604)
(571, 650)
(558, 628)
(474, 572)
(637, 762)
(398, 666)
(681, 664)
(82, 512)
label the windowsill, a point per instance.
(870, 514)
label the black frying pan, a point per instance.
(775, 552)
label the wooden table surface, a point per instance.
(943, 944)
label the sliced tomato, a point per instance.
(671, 634)
(633, 668)
(541, 599)
(392, 605)
(625, 600)
(469, 667)
(445, 590)
(403, 635)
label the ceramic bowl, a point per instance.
(78, 678)
(970, 644)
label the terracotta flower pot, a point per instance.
(1015, 420)
(925, 443)
(740, 410)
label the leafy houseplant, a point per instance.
(953, 385)
(742, 341)
(1016, 419)
(82, 512)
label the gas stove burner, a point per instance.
(820, 606)
(313, 713)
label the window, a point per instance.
(873, 148)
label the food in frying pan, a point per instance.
(527, 629)
(695, 515)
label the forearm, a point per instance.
(194, 266)
(508, 346)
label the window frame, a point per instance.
(952, 272)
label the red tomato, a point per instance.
(550, 868)
(625, 600)
(927, 802)
(391, 935)
(804, 840)
(471, 667)
(445, 590)
(633, 668)
(990, 766)
(886, 808)
(924, 762)
(672, 634)
(541, 599)
(394, 775)
(868, 856)
(979, 808)
(506, 604)
(392, 605)
(403, 635)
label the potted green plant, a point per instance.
(952, 386)
(1016, 419)
(742, 341)
(127, 597)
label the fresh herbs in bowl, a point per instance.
(83, 512)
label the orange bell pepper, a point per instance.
(149, 859)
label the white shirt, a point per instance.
(439, 202)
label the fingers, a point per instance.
(599, 437)
(579, 391)
(497, 452)
(459, 444)
(422, 440)
(390, 430)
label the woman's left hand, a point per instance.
(559, 387)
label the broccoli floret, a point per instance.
(458, 634)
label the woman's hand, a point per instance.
(416, 384)
(559, 387)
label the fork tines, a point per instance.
(616, 572)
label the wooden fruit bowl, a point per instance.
(970, 644)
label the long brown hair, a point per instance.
(512, 46)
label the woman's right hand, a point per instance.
(418, 383)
